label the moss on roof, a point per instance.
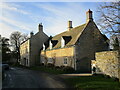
(74, 33)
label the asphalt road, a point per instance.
(24, 78)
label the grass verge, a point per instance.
(51, 70)
(97, 82)
(47, 69)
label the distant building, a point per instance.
(75, 47)
(30, 49)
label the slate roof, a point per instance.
(72, 35)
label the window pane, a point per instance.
(65, 60)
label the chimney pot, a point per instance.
(31, 34)
(69, 25)
(89, 15)
(40, 27)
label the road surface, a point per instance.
(24, 78)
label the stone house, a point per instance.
(76, 46)
(30, 49)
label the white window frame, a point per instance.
(62, 42)
(50, 44)
(66, 60)
(50, 60)
(43, 46)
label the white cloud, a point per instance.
(10, 23)
(61, 1)
(12, 7)
(19, 25)
(60, 15)
(6, 30)
(54, 23)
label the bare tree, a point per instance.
(5, 49)
(16, 39)
(109, 18)
(24, 37)
(116, 44)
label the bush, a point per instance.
(62, 67)
(57, 67)
(107, 76)
(50, 65)
(68, 69)
(42, 64)
(115, 79)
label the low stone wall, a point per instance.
(108, 62)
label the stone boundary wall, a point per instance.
(108, 62)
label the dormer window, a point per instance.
(43, 46)
(65, 40)
(51, 45)
(62, 42)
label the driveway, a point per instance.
(24, 78)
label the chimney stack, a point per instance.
(89, 15)
(69, 25)
(40, 27)
(31, 34)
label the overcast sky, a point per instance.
(25, 16)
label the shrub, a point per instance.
(68, 69)
(50, 65)
(62, 67)
(106, 76)
(57, 67)
(115, 79)
(42, 64)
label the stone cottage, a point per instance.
(30, 49)
(76, 46)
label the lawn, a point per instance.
(98, 82)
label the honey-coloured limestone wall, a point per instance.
(108, 62)
(57, 56)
